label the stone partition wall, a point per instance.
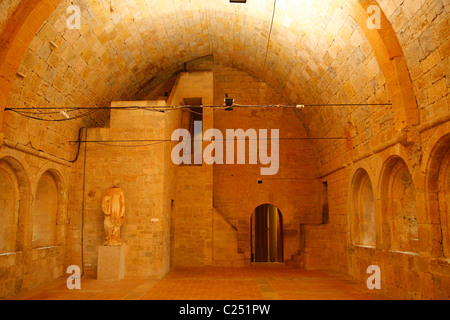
(158, 194)
(140, 172)
(295, 189)
(193, 209)
(193, 219)
(146, 175)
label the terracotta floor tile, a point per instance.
(323, 296)
(311, 285)
(256, 282)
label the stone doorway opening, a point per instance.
(267, 234)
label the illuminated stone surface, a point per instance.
(395, 215)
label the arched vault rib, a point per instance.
(393, 65)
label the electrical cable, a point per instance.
(275, 179)
(79, 144)
(163, 109)
(44, 113)
(30, 145)
(268, 43)
(53, 120)
(128, 146)
(156, 141)
(270, 33)
(170, 108)
(83, 204)
(195, 112)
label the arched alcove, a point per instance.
(267, 234)
(362, 222)
(9, 208)
(399, 202)
(14, 204)
(438, 190)
(444, 201)
(45, 211)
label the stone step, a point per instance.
(297, 257)
(293, 263)
(229, 263)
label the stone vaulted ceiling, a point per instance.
(316, 48)
(319, 52)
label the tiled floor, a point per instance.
(256, 282)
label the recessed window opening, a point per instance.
(192, 116)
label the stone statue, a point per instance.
(113, 206)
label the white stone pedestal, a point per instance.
(111, 262)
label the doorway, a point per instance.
(267, 234)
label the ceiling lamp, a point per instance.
(229, 103)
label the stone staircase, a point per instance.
(225, 242)
(296, 260)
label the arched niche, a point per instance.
(46, 208)
(13, 205)
(398, 196)
(362, 222)
(438, 190)
(9, 208)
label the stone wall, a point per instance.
(24, 265)
(417, 274)
(193, 216)
(326, 56)
(295, 189)
(421, 273)
(158, 194)
(140, 172)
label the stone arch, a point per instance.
(390, 57)
(16, 38)
(437, 193)
(362, 210)
(14, 204)
(398, 203)
(48, 209)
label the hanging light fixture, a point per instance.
(228, 102)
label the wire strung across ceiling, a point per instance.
(268, 44)
(32, 113)
(26, 112)
(156, 141)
